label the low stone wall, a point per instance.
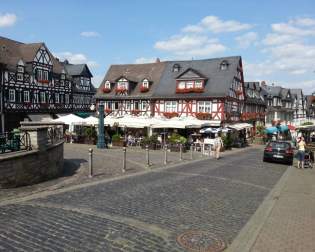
(30, 167)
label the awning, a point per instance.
(240, 126)
(40, 117)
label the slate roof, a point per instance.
(77, 69)
(218, 81)
(135, 73)
(254, 87)
(297, 92)
(12, 51)
(163, 79)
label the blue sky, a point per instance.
(276, 39)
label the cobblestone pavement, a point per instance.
(145, 212)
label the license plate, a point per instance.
(277, 156)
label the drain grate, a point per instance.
(200, 241)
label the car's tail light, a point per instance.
(268, 149)
(289, 151)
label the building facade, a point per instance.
(299, 104)
(254, 109)
(211, 89)
(310, 106)
(33, 81)
(280, 105)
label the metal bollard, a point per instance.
(90, 163)
(124, 159)
(147, 155)
(165, 155)
(191, 152)
(180, 152)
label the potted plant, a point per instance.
(117, 140)
(176, 140)
(89, 135)
(151, 141)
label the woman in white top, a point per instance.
(218, 144)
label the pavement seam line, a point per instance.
(248, 235)
(236, 181)
(153, 229)
(46, 193)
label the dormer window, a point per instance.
(107, 84)
(122, 84)
(20, 69)
(176, 68)
(145, 83)
(224, 65)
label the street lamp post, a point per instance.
(101, 137)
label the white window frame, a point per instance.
(45, 75)
(181, 85)
(57, 98)
(204, 106)
(145, 83)
(123, 84)
(26, 96)
(20, 69)
(189, 84)
(19, 76)
(39, 74)
(42, 96)
(107, 84)
(198, 84)
(170, 106)
(11, 95)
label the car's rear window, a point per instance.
(281, 145)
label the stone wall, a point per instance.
(30, 167)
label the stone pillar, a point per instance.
(37, 136)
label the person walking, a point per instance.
(218, 144)
(301, 152)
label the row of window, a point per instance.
(190, 84)
(169, 106)
(37, 97)
(124, 84)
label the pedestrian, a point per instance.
(218, 144)
(301, 152)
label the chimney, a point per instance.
(157, 60)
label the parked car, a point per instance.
(279, 151)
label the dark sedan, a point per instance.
(279, 151)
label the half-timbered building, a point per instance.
(33, 81)
(254, 109)
(211, 89)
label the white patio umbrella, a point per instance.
(71, 120)
(91, 120)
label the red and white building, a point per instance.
(210, 89)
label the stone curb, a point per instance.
(250, 232)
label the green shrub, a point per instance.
(116, 137)
(260, 130)
(227, 141)
(176, 138)
(307, 123)
(150, 140)
(90, 132)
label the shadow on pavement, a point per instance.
(71, 166)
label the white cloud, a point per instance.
(276, 39)
(247, 39)
(143, 60)
(76, 58)
(296, 27)
(7, 20)
(216, 25)
(190, 45)
(90, 34)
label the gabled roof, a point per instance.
(77, 69)
(190, 74)
(12, 51)
(297, 92)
